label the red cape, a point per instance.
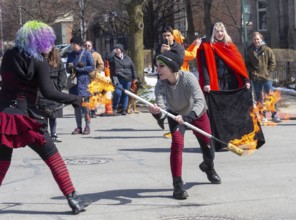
(231, 57)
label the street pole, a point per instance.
(244, 28)
(20, 12)
(82, 13)
(1, 33)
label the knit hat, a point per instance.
(76, 40)
(171, 59)
(119, 46)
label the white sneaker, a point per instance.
(264, 119)
(55, 138)
(276, 119)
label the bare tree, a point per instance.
(190, 30)
(207, 16)
(224, 10)
(16, 12)
(136, 29)
(158, 13)
(84, 12)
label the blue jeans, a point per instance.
(120, 96)
(79, 112)
(261, 88)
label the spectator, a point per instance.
(80, 61)
(169, 43)
(260, 62)
(123, 72)
(58, 77)
(221, 65)
(190, 52)
(222, 70)
(99, 67)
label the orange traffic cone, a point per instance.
(108, 106)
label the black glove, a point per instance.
(160, 121)
(190, 117)
(78, 102)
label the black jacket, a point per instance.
(58, 78)
(178, 48)
(123, 68)
(22, 76)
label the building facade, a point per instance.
(276, 20)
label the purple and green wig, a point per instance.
(34, 38)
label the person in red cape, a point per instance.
(222, 73)
(220, 64)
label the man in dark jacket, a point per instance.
(122, 74)
(169, 43)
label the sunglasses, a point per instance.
(87, 45)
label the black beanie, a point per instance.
(76, 40)
(119, 46)
(171, 59)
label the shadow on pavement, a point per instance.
(126, 196)
(121, 197)
(161, 150)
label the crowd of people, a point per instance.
(27, 69)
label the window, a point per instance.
(247, 11)
(261, 15)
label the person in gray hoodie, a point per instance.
(179, 92)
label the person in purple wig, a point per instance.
(24, 70)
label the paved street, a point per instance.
(122, 168)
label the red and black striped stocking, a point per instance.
(60, 173)
(177, 147)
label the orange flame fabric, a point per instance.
(230, 118)
(190, 52)
(107, 69)
(99, 88)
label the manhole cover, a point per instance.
(199, 217)
(86, 161)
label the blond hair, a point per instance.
(257, 33)
(54, 58)
(217, 26)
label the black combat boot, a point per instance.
(179, 192)
(76, 204)
(211, 173)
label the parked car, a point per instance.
(64, 52)
(61, 46)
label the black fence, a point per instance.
(284, 73)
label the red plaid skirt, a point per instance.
(19, 130)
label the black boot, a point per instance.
(179, 192)
(211, 173)
(76, 204)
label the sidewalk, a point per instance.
(122, 168)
